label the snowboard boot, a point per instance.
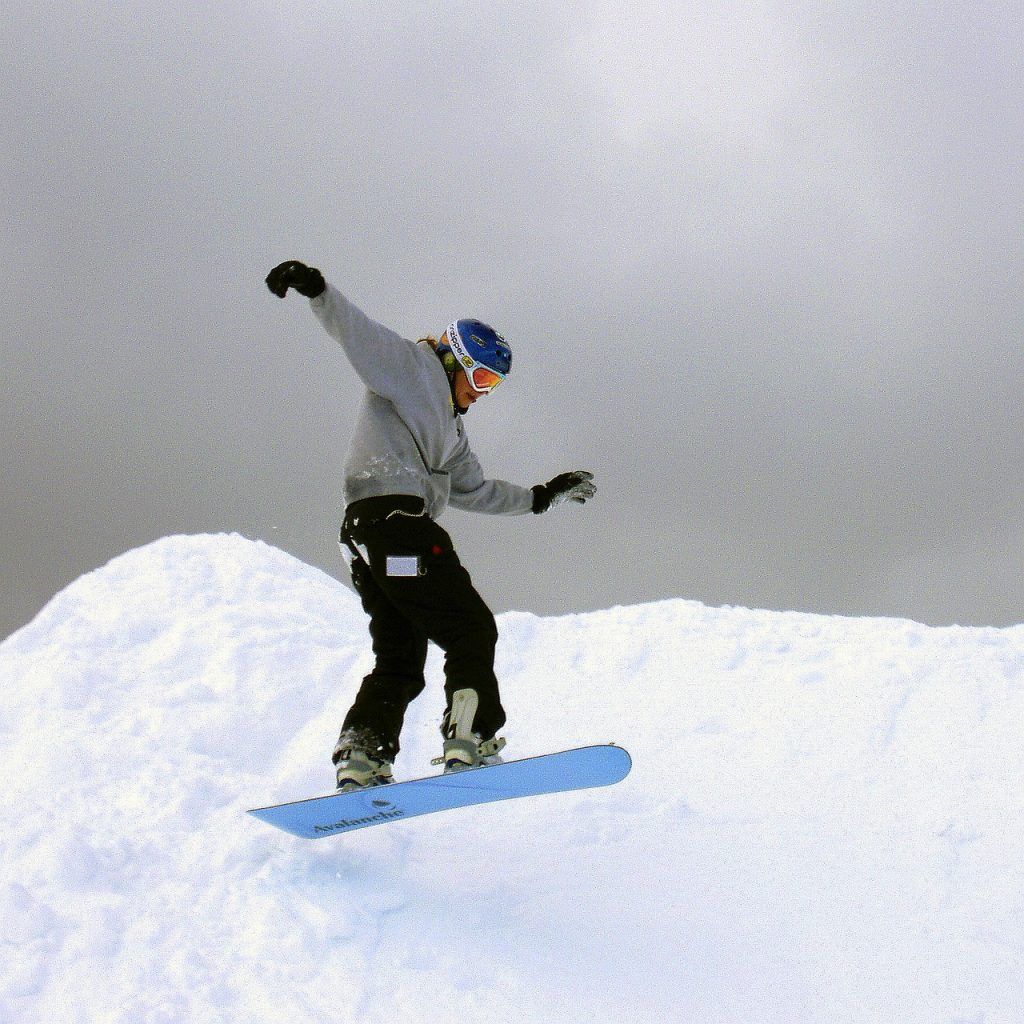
(358, 764)
(464, 748)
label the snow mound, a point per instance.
(824, 820)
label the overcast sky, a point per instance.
(760, 265)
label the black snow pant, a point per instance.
(415, 590)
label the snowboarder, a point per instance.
(409, 459)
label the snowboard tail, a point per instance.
(567, 770)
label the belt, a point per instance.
(370, 511)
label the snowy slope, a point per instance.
(824, 821)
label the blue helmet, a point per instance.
(482, 353)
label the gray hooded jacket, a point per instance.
(408, 438)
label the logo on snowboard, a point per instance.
(387, 810)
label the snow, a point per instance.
(823, 823)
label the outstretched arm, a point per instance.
(382, 358)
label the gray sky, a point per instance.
(760, 265)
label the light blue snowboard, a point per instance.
(321, 816)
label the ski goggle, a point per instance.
(482, 378)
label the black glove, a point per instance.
(305, 280)
(575, 486)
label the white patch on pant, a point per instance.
(403, 565)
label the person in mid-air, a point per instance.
(408, 460)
